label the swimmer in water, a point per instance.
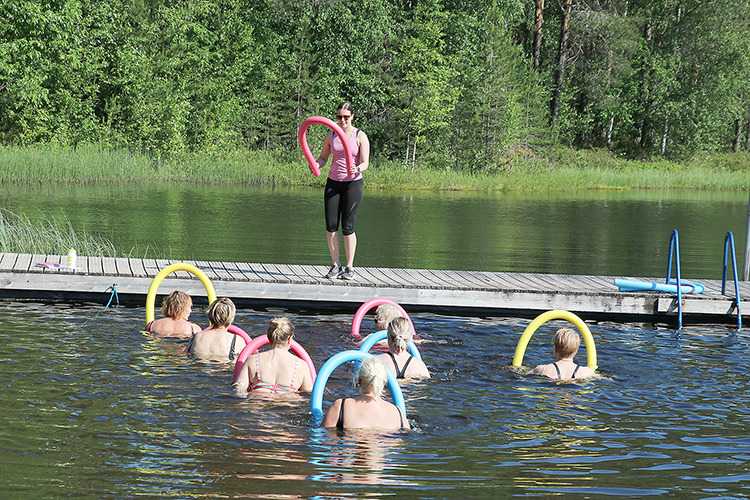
(176, 308)
(368, 410)
(283, 372)
(398, 359)
(566, 343)
(217, 344)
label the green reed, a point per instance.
(557, 169)
(44, 236)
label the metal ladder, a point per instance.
(729, 239)
(674, 252)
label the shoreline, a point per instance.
(555, 171)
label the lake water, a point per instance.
(92, 408)
(618, 233)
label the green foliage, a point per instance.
(435, 84)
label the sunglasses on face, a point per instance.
(343, 117)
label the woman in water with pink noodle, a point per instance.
(343, 194)
(216, 343)
(398, 359)
(276, 371)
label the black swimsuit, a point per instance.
(557, 368)
(400, 373)
(340, 423)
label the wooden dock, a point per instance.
(303, 287)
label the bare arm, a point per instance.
(326, 152)
(538, 370)
(364, 151)
(243, 379)
(307, 383)
(332, 415)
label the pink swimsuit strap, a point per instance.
(275, 388)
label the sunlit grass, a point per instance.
(555, 170)
(45, 236)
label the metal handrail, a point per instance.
(729, 238)
(674, 249)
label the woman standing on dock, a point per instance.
(343, 195)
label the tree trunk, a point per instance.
(644, 126)
(414, 155)
(561, 60)
(408, 144)
(538, 21)
(737, 135)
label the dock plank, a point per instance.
(109, 267)
(94, 265)
(22, 263)
(8, 261)
(123, 268)
(33, 268)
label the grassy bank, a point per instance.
(550, 170)
(41, 235)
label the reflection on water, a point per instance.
(613, 233)
(106, 412)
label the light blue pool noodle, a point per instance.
(688, 287)
(316, 398)
(376, 337)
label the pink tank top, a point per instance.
(338, 164)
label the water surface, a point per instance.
(618, 233)
(92, 408)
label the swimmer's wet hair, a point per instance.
(280, 330)
(566, 342)
(221, 313)
(399, 334)
(372, 377)
(175, 304)
(384, 314)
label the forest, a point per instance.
(471, 85)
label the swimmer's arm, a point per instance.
(332, 415)
(307, 383)
(243, 381)
(538, 370)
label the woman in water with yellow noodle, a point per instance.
(566, 343)
(276, 371)
(176, 308)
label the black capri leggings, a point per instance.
(342, 200)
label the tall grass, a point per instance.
(558, 169)
(40, 235)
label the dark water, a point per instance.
(92, 408)
(590, 232)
